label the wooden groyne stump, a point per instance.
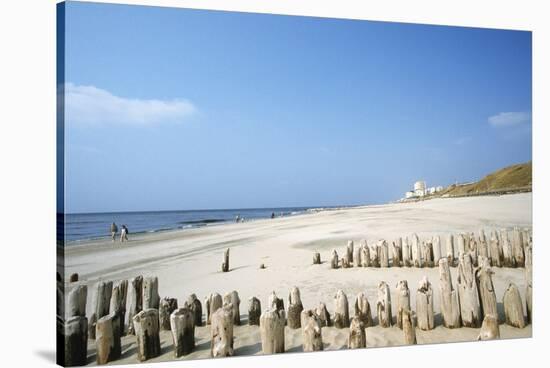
(517, 248)
(450, 309)
(349, 252)
(416, 251)
(374, 256)
(108, 346)
(341, 310)
(195, 306)
(311, 331)
(397, 252)
(166, 307)
(406, 253)
(225, 263)
(363, 310)
(135, 301)
(365, 254)
(334, 260)
(182, 325)
(403, 301)
(427, 254)
(473, 250)
(73, 277)
(275, 302)
(383, 305)
(507, 255)
(425, 305)
(461, 245)
(450, 249)
(495, 250)
(323, 314)
(357, 338)
(489, 328)
(213, 303)
(384, 254)
(483, 247)
(221, 333)
(77, 301)
(513, 308)
(409, 331)
(468, 295)
(76, 341)
(151, 298)
(436, 245)
(116, 309)
(146, 325)
(103, 298)
(316, 258)
(254, 311)
(357, 257)
(486, 288)
(295, 308)
(272, 331)
(233, 299)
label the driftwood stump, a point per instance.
(334, 260)
(182, 325)
(275, 302)
(486, 289)
(416, 251)
(77, 301)
(254, 311)
(468, 295)
(295, 308)
(383, 305)
(384, 254)
(374, 256)
(151, 298)
(107, 339)
(489, 328)
(495, 250)
(365, 255)
(349, 252)
(233, 299)
(529, 282)
(450, 249)
(461, 245)
(225, 263)
(272, 331)
(425, 305)
(116, 309)
(482, 247)
(409, 331)
(213, 303)
(362, 310)
(427, 254)
(473, 251)
(403, 301)
(135, 304)
(513, 308)
(517, 248)
(436, 245)
(103, 298)
(311, 331)
(396, 252)
(316, 258)
(357, 338)
(166, 307)
(76, 341)
(507, 258)
(357, 257)
(195, 306)
(406, 253)
(323, 314)
(450, 309)
(146, 326)
(221, 333)
(341, 310)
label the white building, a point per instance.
(420, 190)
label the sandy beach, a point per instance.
(189, 261)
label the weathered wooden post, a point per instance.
(323, 314)
(295, 308)
(77, 301)
(489, 328)
(166, 307)
(146, 326)
(254, 311)
(311, 331)
(482, 246)
(334, 259)
(275, 302)
(116, 307)
(221, 332)
(344, 262)
(436, 245)
(416, 251)
(425, 305)
(473, 250)
(450, 309)
(316, 258)
(486, 289)
(427, 254)
(450, 250)
(76, 341)
(272, 331)
(468, 295)
(104, 292)
(151, 298)
(365, 256)
(384, 254)
(233, 298)
(517, 247)
(225, 263)
(349, 252)
(495, 250)
(513, 308)
(403, 301)
(461, 244)
(357, 257)
(374, 256)
(135, 305)
(108, 346)
(357, 338)
(529, 281)
(406, 253)
(507, 258)
(409, 331)
(182, 325)
(363, 310)
(73, 278)
(207, 308)
(215, 302)
(195, 306)
(397, 252)
(383, 305)
(341, 310)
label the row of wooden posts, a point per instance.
(472, 304)
(504, 248)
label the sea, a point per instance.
(89, 226)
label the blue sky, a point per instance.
(186, 109)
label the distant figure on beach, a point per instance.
(272, 215)
(124, 233)
(114, 230)
(238, 218)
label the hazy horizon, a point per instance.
(173, 109)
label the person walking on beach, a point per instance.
(124, 233)
(114, 230)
